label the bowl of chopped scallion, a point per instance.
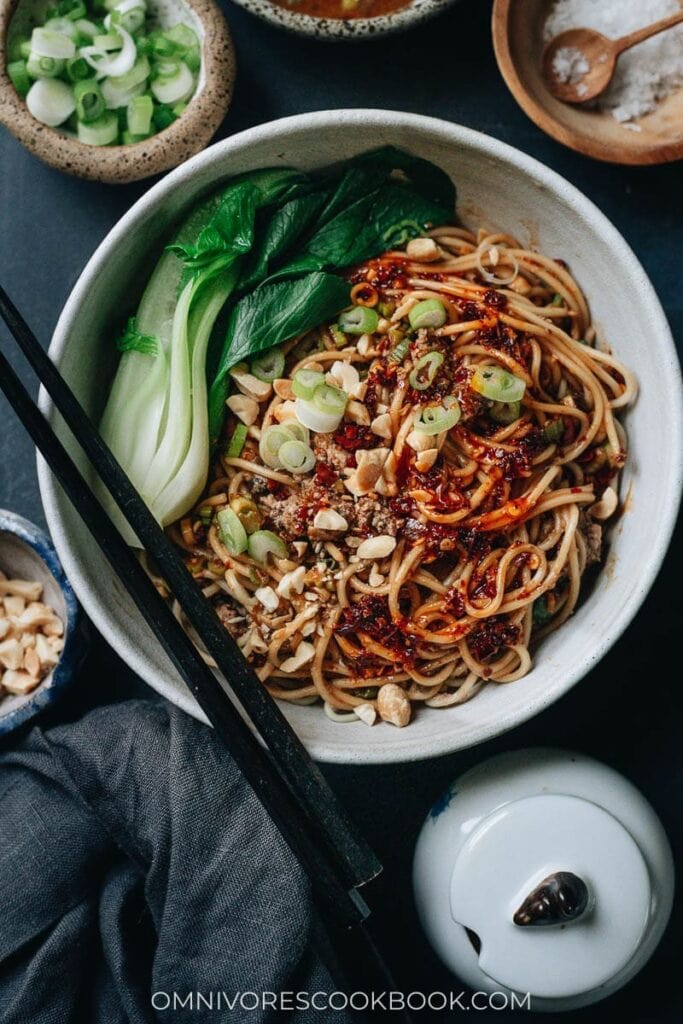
(114, 90)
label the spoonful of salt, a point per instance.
(578, 64)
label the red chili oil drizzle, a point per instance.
(382, 274)
(325, 475)
(371, 615)
(490, 635)
(352, 436)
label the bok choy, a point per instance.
(250, 268)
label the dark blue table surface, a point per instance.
(627, 712)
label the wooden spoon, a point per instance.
(594, 73)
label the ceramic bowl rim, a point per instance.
(62, 674)
(345, 29)
(402, 748)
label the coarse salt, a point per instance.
(645, 74)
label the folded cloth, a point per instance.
(141, 880)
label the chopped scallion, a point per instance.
(89, 101)
(101, 132)
(19, 77)
(359, 320)
(236, 442)
(139, 115)
(423, 373)
(428, 313)
(305, 382)
(434, 419)
(498, 384)
(232, 533)
(264, 543)
(268, 366)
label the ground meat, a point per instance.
(228, 610)
(329, 452)
(592, 533)
(373, 516)
(257, 485)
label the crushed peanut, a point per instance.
(30, 636)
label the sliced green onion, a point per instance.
(428, 313)
(338, 336)
(306, 381)
(15, 48)
(25, 49)
(89, 101)
(116, 98)
(423, 373)
(182, 36)
(506, 412)
(130, 138)
(314, 418)
(297, 430)
(163, 116)
(269, 365)
(19, 76)
(296, 457)
(557, 300)
(63, 26)
(179, 108)
(51, 102)
(138, 73)
(433, 419)
(271, 441)
(161, 46)
(77, 69)
(498, 384)
(330, 399)
(44, 67)
(236, 442)
(231, 531)
(139, 115)
(400, 349)
(108, 41)
(87, 29)
(72, 9)
(264, 543)
(554, 431)
(359, 320)
(174, 88)
(101, 132)
(130, 14)
(107, 63)
(46, 43)
(193, 59)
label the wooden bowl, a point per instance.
(117, 165)
(518, 42)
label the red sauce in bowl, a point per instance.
(342, 8)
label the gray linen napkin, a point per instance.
(136, 863)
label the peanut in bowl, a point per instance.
(39, 616)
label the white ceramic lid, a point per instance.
(510, 852)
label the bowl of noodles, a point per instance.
(430, 491)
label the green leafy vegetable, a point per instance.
(254, 266)
(270, 315)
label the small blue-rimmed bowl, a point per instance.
(26, 553)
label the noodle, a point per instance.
(493, 526)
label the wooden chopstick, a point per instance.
(353, 958)
(330, 821)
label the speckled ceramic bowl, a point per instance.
(351, 29)
(498, 187)
(117, 165)
(27, 553)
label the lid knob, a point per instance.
(559, 898)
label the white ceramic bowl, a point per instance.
(501, 188)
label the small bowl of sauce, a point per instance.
(344, 19)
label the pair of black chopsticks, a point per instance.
(291, 788)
